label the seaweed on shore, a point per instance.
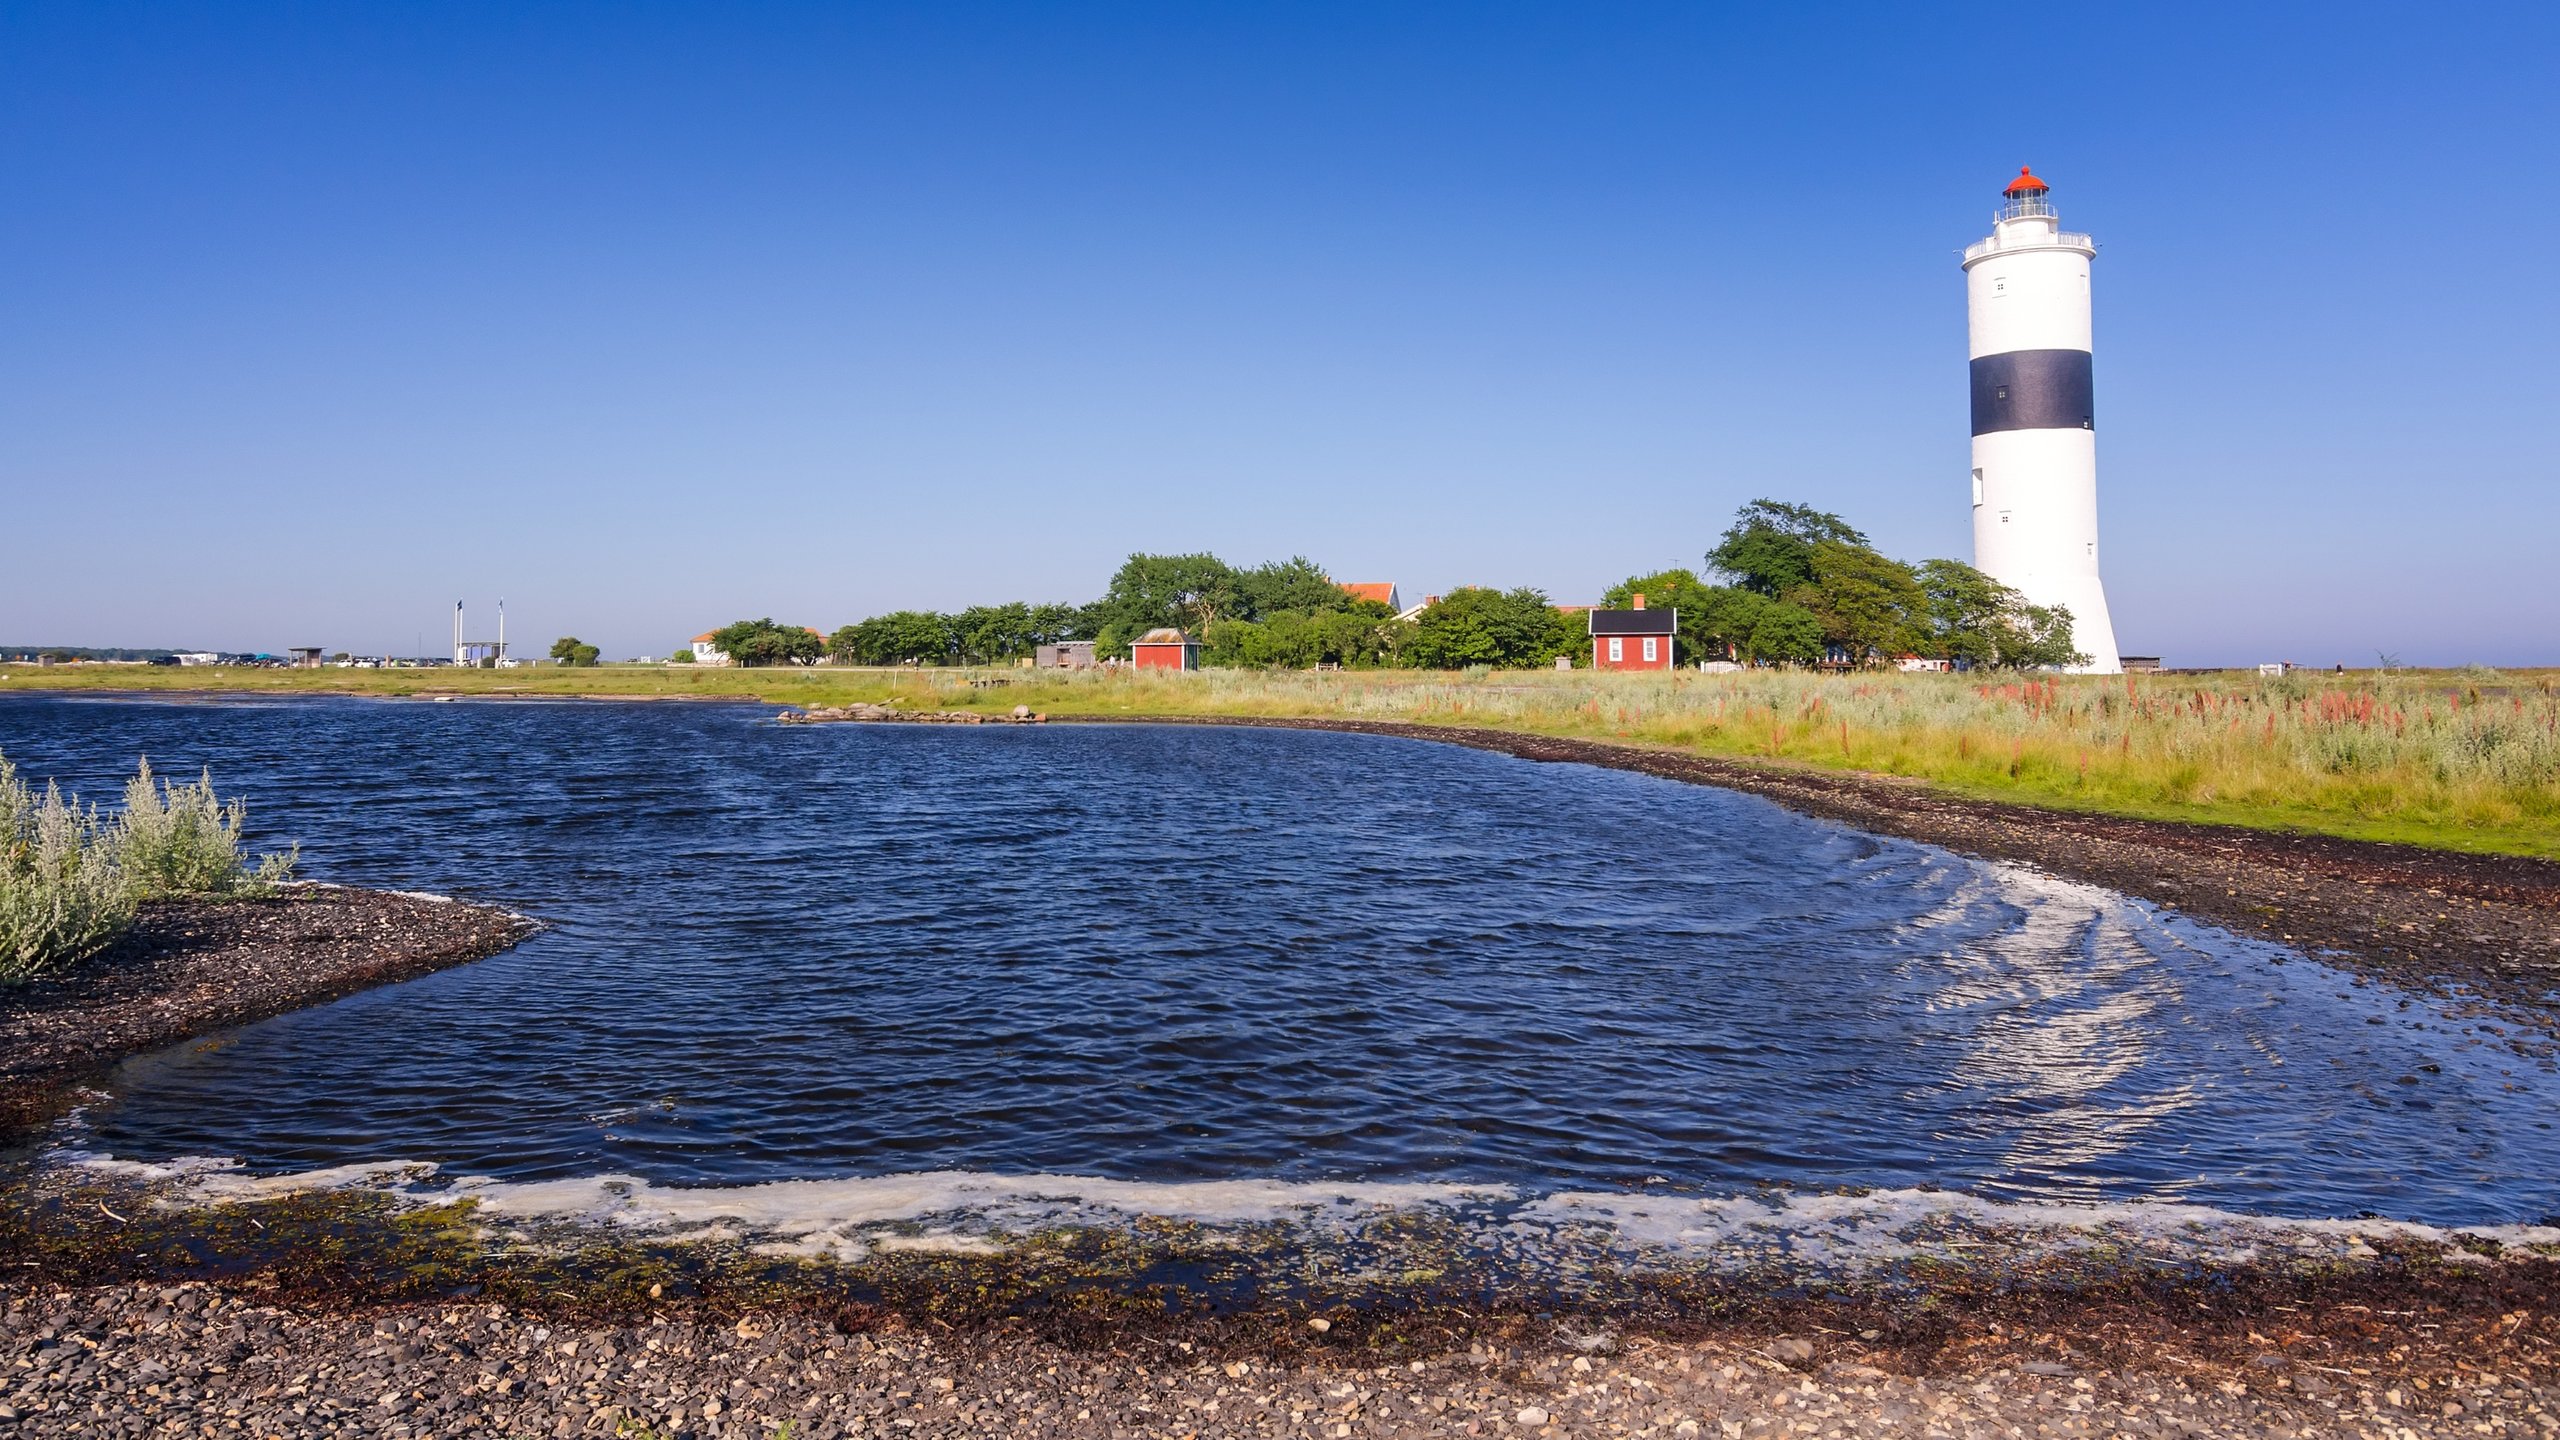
(1267, 1291)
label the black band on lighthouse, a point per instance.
(2033, 390)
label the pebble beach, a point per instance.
(193, 1360)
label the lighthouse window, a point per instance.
(1977, 487)
(2004, 517)
(2003, 392)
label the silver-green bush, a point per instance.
(61, 894)
(70, 881)
(182, 839)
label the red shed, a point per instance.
(1634, 638)
(1165, 650)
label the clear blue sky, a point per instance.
(314, 318)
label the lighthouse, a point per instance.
(2035, 442)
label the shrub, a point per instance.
(61, 896)
(183, 840)
(70, 881)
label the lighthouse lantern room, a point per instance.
(2035, 444)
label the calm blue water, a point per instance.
(1166, 953)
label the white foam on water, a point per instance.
(205, 1180)
(1822, 1230)
(960, 1212)
(846, 1218)
(826, 1214)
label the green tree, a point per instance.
(901, 637)
(570, 650)
(1187, 592)
(1721, 625)
(1783, 633)
(1968, 612)
(1295, 584)
(1980, 622)
(761, 642)
(1053, 623)
(1769, 548)
(987, 634)
(1360, 638)
(681, 655)
(1508, 628)
(2044, 639)
(1866, 602)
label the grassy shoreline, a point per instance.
(2461, 761)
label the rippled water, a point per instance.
(1169, 954)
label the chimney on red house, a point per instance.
(1639, 599)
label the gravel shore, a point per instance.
(192, 1360)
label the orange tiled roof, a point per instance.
(1382, 591)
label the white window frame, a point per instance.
(1651, 654)
(1617, 649)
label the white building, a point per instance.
(2035, 442)
(706, 653)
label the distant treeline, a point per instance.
(1793, 585)
(78, 652)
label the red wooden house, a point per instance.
(1633, 639)
(1165, 650)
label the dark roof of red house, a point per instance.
(1635, 622)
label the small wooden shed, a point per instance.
(1166, 649)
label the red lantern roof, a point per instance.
(2026, 184)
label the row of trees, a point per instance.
(1285, 613)
(1802, 585)
(1790, 585)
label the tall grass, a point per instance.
(71, 880)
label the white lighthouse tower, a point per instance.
(2035, 443)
